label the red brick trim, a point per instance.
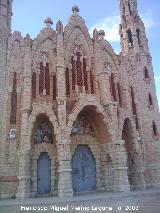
(8, 179)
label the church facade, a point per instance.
(74, 115)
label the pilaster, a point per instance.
(120, 172)
(107, 167)
(24, 177)
(61, 96)
(101, 74)
(64, 170)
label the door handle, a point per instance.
(38, 179)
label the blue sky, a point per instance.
(28, 17)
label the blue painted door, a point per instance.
(44, 174)
(83, 170)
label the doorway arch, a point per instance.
(44, 157)
(89, 128)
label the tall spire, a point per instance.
(128, 8)
(5, 15)
(132, 30)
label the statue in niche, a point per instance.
(43, 134)
(82, 127)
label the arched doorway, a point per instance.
(89, 138)
(44, 157)
(83, 170)
(43, 174)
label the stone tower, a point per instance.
(132, 29)
(136, 55)
(5, 31)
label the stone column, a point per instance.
(101, 75)
(120, 169)
(135, 159)
(137, 166)
(111, 109)
(61, 82)
(64, 170)
(108, 167)
(24, 177)
(63, 147)
(4, 44)
(104, 87)
(24, 187)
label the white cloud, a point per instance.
(111, 25)
(157, 80)
(148, 19)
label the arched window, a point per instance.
(146, 74)
(34, 85)
(112, 88)
(91, 82)
(133, 102)
(85, 74)
(129, 8)
(13, 112)
(79, 69)
(47, 79)
(54, 87)
(80, 76)
(123, 9)
(130, 39)
(119, 94)
(138, 36)
(154, 128)
(43, 133)
(150, 100)
(41, 79)
(67, 82)
(134, 108)
(137, 123)
(44, 79)
(73, 73)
